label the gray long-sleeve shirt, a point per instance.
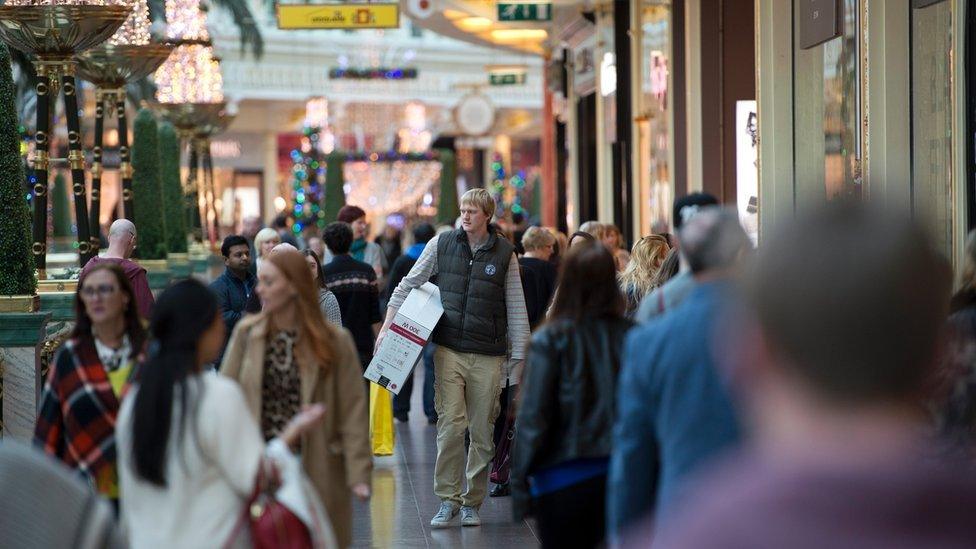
(518, 318)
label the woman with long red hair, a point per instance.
(287, 357)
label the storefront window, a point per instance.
(654, 118)
(842, 109)
(931, 97)
(827, 112)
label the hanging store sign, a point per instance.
(820, 21)
(506, 79)
(524, 11)
(338, 16)
(506, 75)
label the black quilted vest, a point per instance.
(473, 294)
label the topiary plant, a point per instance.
(334, 197)
(16, 260)
(147, 193)
(448, 209)
(169, 172)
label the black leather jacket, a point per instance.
(568, 398)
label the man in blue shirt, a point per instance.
(673, 409)
(236, 284)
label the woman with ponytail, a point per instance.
(190, 455)
(287, 357)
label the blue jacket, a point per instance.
(232, 294)
(674, 412)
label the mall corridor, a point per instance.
(398, 515)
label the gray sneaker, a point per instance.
(444, 515)
(469, 516)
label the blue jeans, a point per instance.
(401, 402)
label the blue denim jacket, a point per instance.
(674, 412)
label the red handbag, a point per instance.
(272, 525)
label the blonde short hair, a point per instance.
(480, 198)
(536, 238)
(264, 234)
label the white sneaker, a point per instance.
(469, 516)
(445, 515)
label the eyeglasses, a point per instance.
(102, 290)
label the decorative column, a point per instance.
(53, 32)
(127, 56)
(190, 85)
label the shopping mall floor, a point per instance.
(398, 515)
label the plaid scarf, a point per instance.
(76, 420)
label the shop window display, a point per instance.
(654, 118)
(931, 99)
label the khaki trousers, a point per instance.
(466, 390)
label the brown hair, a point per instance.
(133, 322)
(311, 323)
(318, 266)
(587, 285)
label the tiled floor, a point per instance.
(403, 500)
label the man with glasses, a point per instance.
(121, 244)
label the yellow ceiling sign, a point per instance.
(338, 16)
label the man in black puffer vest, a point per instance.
(484, 330)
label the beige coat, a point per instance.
(337, 455)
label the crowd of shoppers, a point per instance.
(692, 393)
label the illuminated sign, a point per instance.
(338, 16)
(524, 11)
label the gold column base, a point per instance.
(20, 303)
(52, 286)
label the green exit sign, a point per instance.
(524, 12)
(511, 79)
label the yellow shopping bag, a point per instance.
(381, 420)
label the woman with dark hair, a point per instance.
(80, 401)
(287, 357)
(327, 300)
(565, 417)
(190, 454)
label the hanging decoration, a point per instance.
(380, 73)
(135, 30)
(191, 74)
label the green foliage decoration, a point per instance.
(173, 201)
(334, 197)
(448, 209)
(146, 188)
(16, 260)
